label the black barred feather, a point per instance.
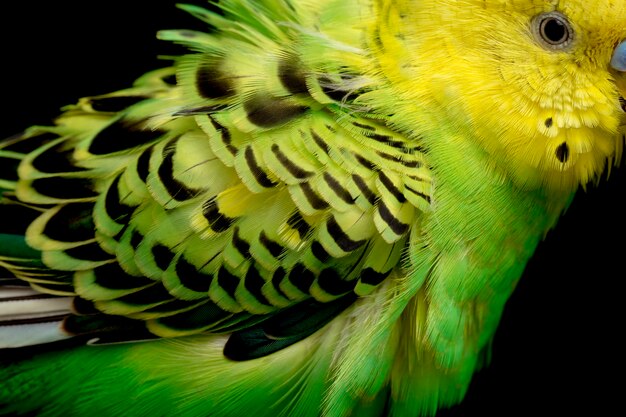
(225, 290)
(277, 242)
(203, 201)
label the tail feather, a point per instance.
(28, 317)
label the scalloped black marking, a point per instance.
(399, 160)
(417, 193)
(386, 181)
(394, 224)
(227, 281)
(290, 166)
(225, 136)
(253, 282)
(258, 173)
(135, 239)
(242, 246)
(301, 277)
(388, 140)
(330, 282)
(365, 162)
(341, 238)
(271, 111)
(113, 277)
(176, 189)
(372, 277)
(291, 76)
(143, 164)
(364, 126)
(273, 247)
(72, 223)
(317, 202)
(338, 189)
(26, 144)
(365, 190)
(297, 222)
(381, 138)
(191, 278)
(319, 252)
(163, 256)
(217, 221)
(121, 135)
(115, 209)
(56, 159)
(334, 93)
(277, 278)
(65, 188)
(89, 252)
(320, 142)
(212, 83)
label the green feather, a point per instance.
(302, 230)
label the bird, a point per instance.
(321, 209)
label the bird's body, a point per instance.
(321, 211)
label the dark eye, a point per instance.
(553, 30)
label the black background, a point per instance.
(557, 348)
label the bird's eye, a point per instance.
(553, 30)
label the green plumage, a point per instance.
(262, 229)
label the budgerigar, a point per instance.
(320, 210)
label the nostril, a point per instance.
(618, 62)
(622, 103)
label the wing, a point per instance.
(243, 190)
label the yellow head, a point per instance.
(531, 80)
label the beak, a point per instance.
(618, 64)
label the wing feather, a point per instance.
(251, 190)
